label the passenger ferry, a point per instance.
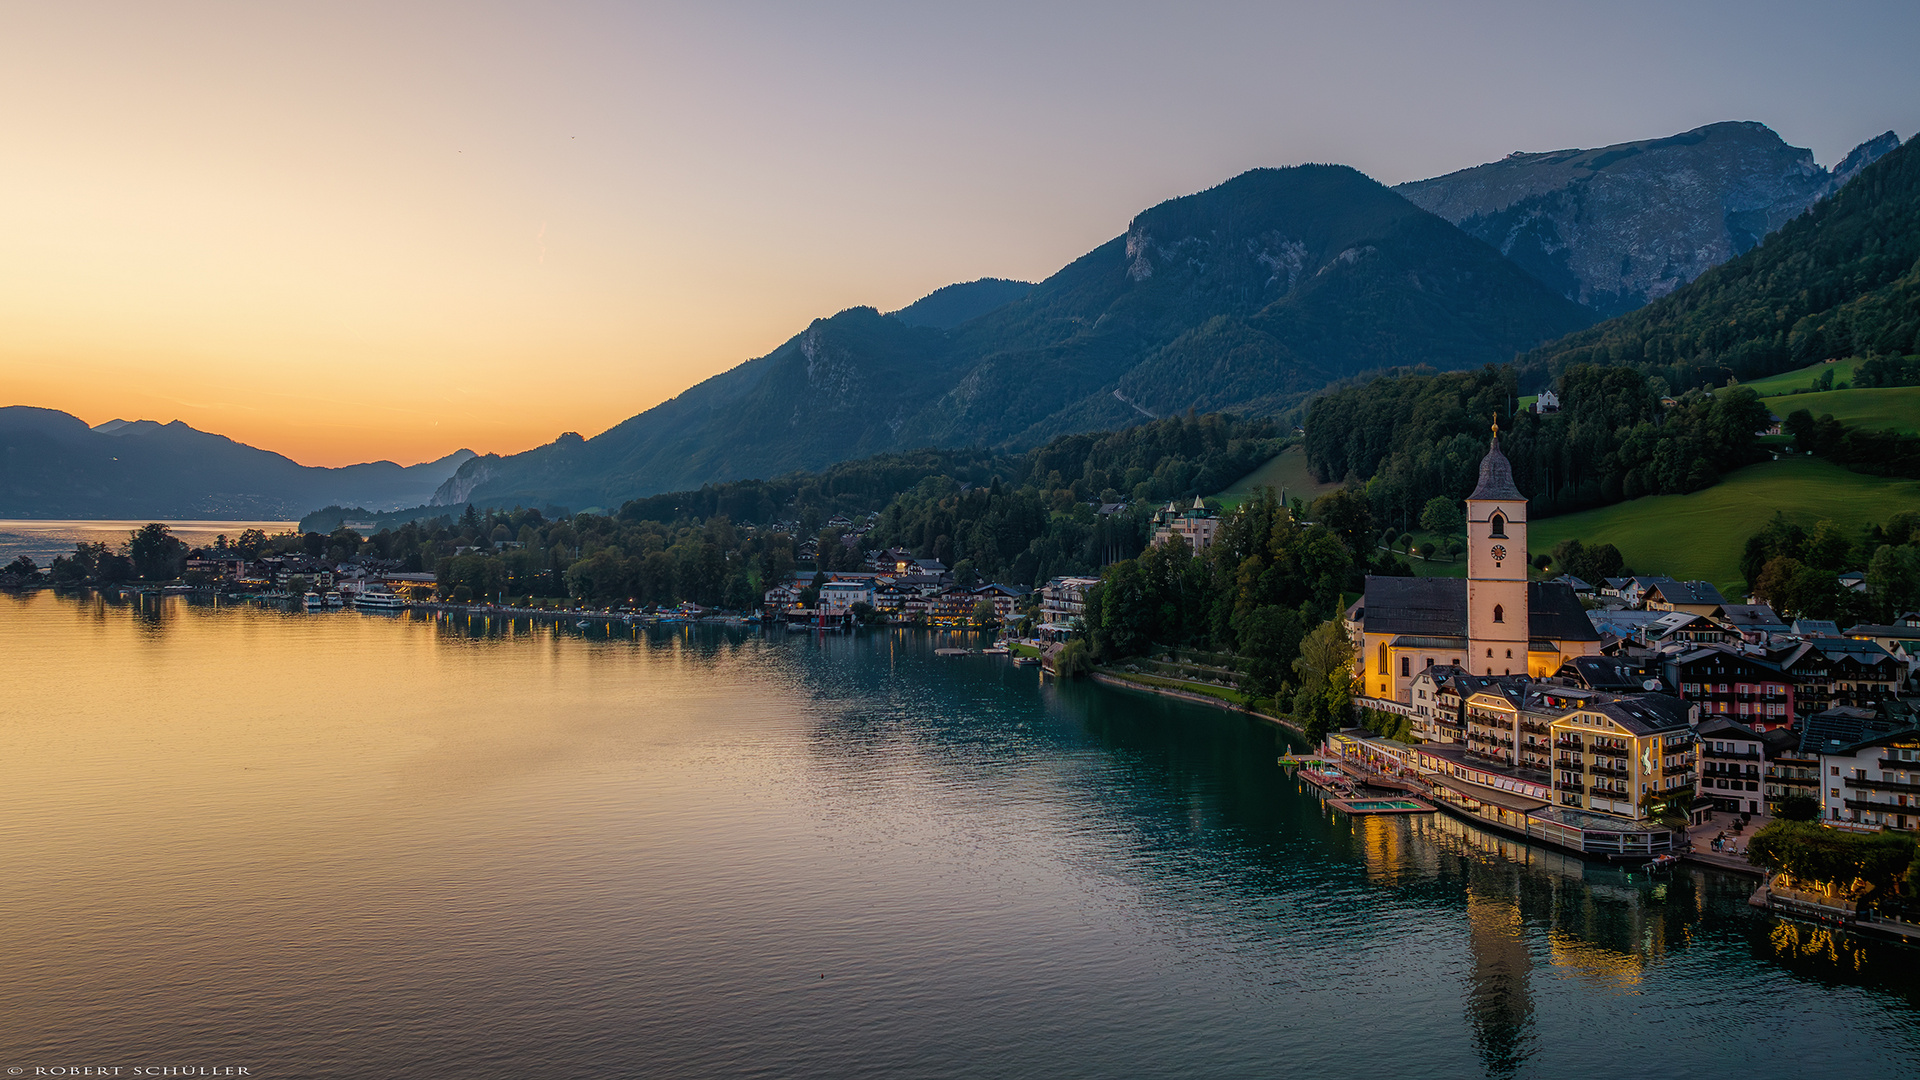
(379, 598)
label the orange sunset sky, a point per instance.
(357, 231)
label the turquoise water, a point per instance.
(348, 845)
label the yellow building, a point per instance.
(1620, 757)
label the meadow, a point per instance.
(1286, 472)
(1896, 407)
(1701, 536)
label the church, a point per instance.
(1496, 622)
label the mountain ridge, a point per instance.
(53, 465)
(1615, 227)
(1282, 275)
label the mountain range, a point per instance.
(1248, 296)
(52, 465)
(1617, 227)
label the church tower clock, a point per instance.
(1496, 570)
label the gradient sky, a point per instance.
(355, 231)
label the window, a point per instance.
(1499, 613)
(1509, 654)
(1383, 658)
(1406, 666)
(1499, 523)
(1489, 654)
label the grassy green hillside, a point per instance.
(1701, 536)
(1801, 378)
(1896, 407)
(1287, 471)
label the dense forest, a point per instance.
(1414, 437)
(1840, 280)
(1795, 569)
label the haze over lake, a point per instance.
(352, 845)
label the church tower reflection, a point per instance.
(1500, 1004)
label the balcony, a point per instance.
(1564, 743)
(1562, 785)
(1608, 770)
(1730, 755)
(1882, 785)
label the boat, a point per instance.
(334, 599)
(379, 598)
(583, 624)
(1025, 661)
(312, 601)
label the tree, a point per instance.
(1269, 639)
(157, 554)
(1798, 808)
(984, 614)
(1442, 515)
(1074, 659)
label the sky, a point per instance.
(348, 232)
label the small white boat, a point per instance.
(334, 599)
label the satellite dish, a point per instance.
(1650, 684)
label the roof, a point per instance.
(1884, 630)
(1496, 477)
(1574, 583)
(1645, 714)
(1609, 673)
(1841, 727)
(1752, 616)
(1415, 605)
(1430, 641)
(1555, 613)
(1725, 728)
(1688, 592)
(1816, 627)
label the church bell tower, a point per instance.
(1496, 570)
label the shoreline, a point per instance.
(1108, 679)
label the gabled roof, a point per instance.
(1725, 728)
(1608, 673)
(1688, 592)
(1645, 714)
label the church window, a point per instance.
(1499, 523)
(1383, 658)
(1489, 654)
(1509, 654)
(1499, 613)
(1406, 666)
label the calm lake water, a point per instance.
(345, 845)
(41, 540)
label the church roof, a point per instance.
(1437, 607)
(1415, 605)
(1496, 477)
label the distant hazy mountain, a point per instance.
(1248, 296)
(52, 465)
(1617, 227)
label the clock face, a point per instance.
(1499, 552)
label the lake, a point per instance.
(42, 540)
(354, 845)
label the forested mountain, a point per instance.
(1616, 227)
(1245, 296)
(946, 308)
(1841, 280)
(52, 465)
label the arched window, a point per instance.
(1499, 523)
(1383, 658)
(1489, 654)
(1509, 654)
(1499, 613)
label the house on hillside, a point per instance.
(1695, 597)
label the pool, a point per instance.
(1381, 806)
